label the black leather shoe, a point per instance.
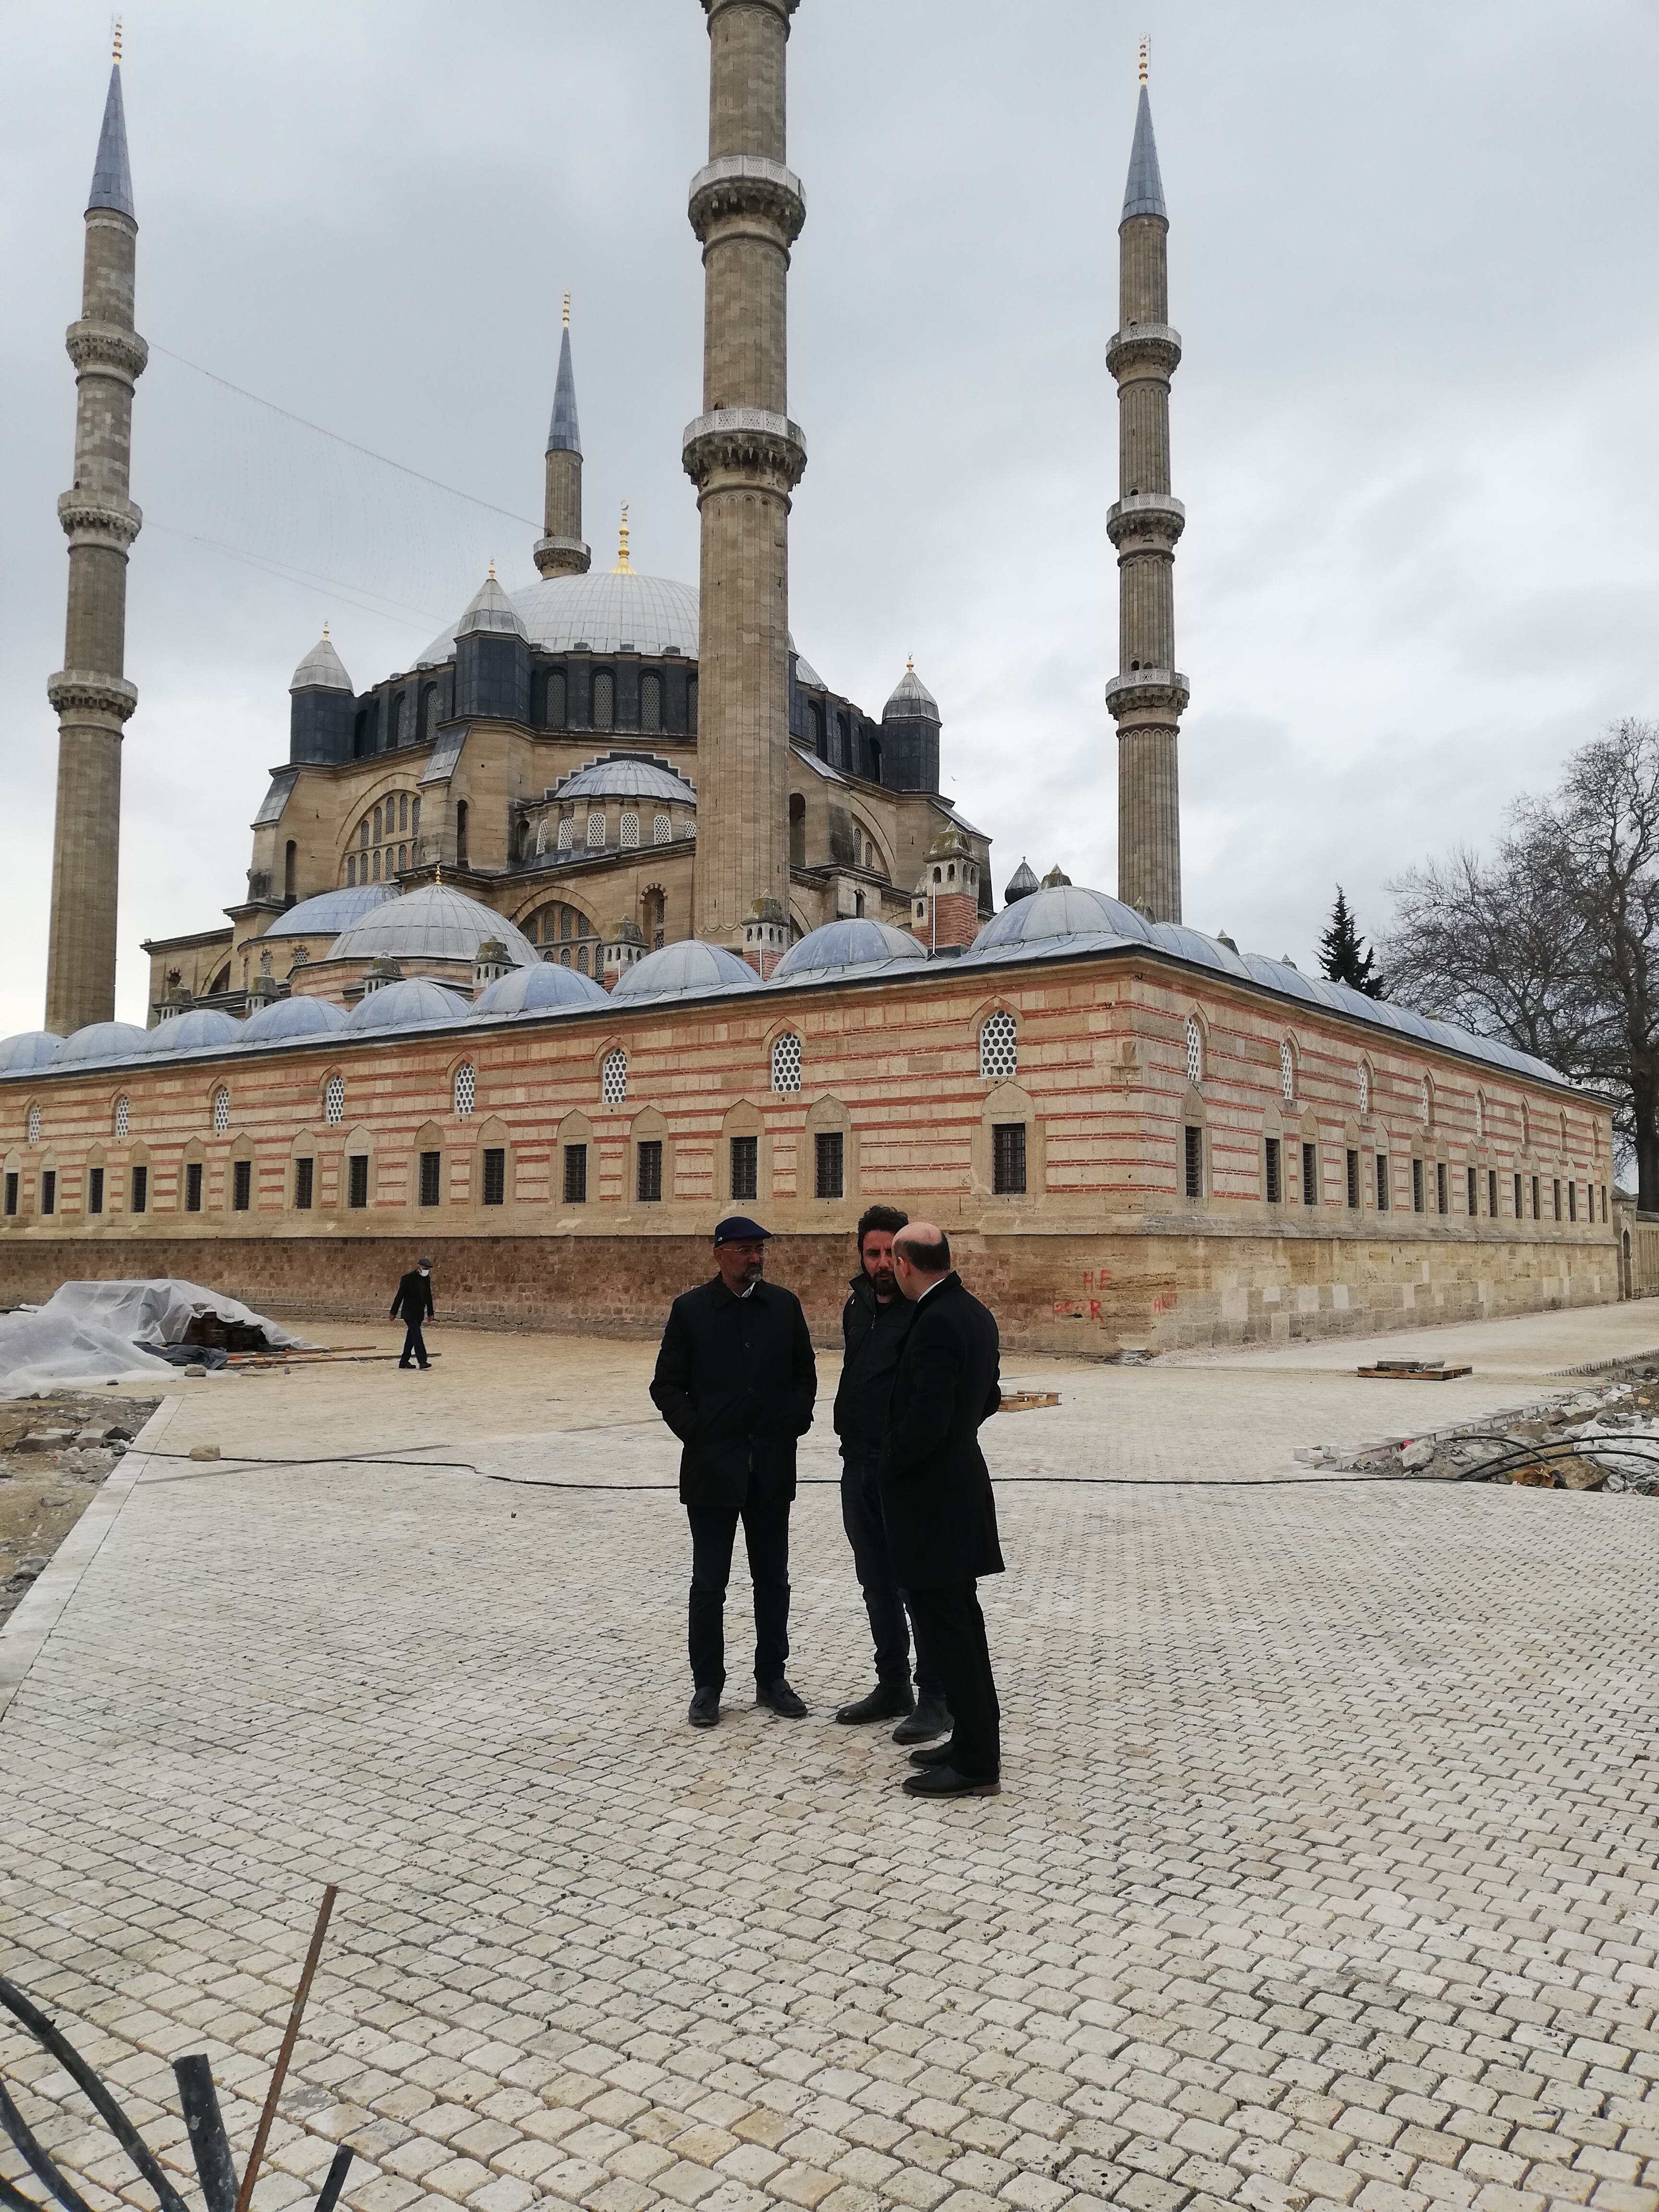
(779, 1699)
(931, 1718)
(705, 1711)
(884, 1703)
(933, 1754)
(945, 1782)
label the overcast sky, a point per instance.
(1412, 258)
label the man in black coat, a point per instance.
(414, 1303)
(936, 1497)
(875, 1322)
(736, 1382)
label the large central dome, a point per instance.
(606, 613)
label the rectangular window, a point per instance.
(1353, 1181)
(1417, 1186)
(1555, 1210)
(357, 1180)
(648, 1173)
(12, 1192)
(1537, 1210)
(305, 1184)
(745, 1167)
(1492, 1191)
(48, 1190)
(1008, 1158)
(1518, 1208)
(241, 1185)
(1194, 1163)
(829, 1162)
(1275, 1178)
(96, 1190)
(431, 1173)
(140, 1189)
(575, 1175)
(1442, 1189)
(1381, 1183)
(494, 1175)
(1472, 1196)
(1572, 1201)
(1604, 1202)
(193, 1187)
(1310, 1175)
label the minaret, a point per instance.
(561, 552)
(745, 457)
(1147, 695)
(90, 693)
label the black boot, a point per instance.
(884, 1703)
(930, 1719)
(780, 1698)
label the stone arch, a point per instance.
(877, 837)
(1365, 1087)
(430, 1137)
(1007, 1104)
(358, 1144)
(604, 1055)
(997, 1028)
(1290, 1070)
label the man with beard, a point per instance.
(875, 1322)
(735, 1381)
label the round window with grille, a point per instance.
(998, 1047)
(334, 1100)
(123, 1116)
(613, 1079)
(220, 1112)
(466, 1088)
(785, 1063)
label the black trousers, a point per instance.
(883, 1601)
(415, 1342)
(765, 1518)
(948, 1618)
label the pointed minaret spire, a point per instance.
(111, 179)
(1148, 693)
(562, 552)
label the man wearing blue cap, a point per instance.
(736, 1382)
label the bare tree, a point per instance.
(1552, 944)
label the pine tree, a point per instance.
(1344, 956)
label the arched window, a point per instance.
(582, 959)
(541, 837)
(662, 830)
(221, 1111)
(567, 835)
(1480, 1116)
(362, 832)
(1365, 1088)
(377, 865)
(466, 1088)
(414, 816)
(820, 729)
(1424, 1101)
(604, 700)
(596, 833)
(403, 858)
(399, 715)
(1287, 1072)
(785, 1063)
(613, 1078)
(375, 834)
(999, 1047)
(651, 703)
(34, 1125)
(558, 710)
(429, 713)
(1194, 1051)
(334, 1101)
(460, 833)
(797, 830)
(123, 1115)
(630, 833)
(351, 870)
(403, 812)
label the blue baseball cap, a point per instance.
(738, 1229)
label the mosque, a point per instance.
(610, 914)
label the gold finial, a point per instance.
(1145, 55)
(325, 626)
(623, 567)
(438, 873)
(567, 311)
(117, 42)
(492, 572)
(910, 664)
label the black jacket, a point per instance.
(873, 1335)
(935, 1487)
(413, 1299)
(735, 1381)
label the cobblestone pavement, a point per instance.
(1323, 1874)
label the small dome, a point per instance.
(102, 1041)
(1048, 915)
(197, 1030)
(403, 1006)
(330, 912)
(859, 943)
(34, 1048)
(806, 677)
(689, 965)
(537, 990)
(322, 669)
(1021, 884)
(629, 776)
(911, 702)
(491, 613)
(290, 1019)
(436, 922)
(601, 612)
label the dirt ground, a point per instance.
(43, 1493)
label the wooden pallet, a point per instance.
(1412, 1371)
(1027, 1401)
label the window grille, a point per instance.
(357, 1180)
(745, 1167)
(1310, 1175)
(193, 1187)
(604, 700)
(376, 834)
(34, 1125)
(662, 830)
(1354, 1180)
(494, 1175)
(1480, 1116)
(1417, 1186)
(1365, 1090)
(466, 1088)
(647, 1185)
(1572, 1201)
(596, 833)
(403, 811)
(1442, 1191)
(221, 1111)
(1275, 1173)
(829, 1158)
(431, 1177)
(1537, 1210)
(1008, 1159)
(1194, 1051)
(334, 1101)
(999, 1046)
(575, 1175)
(541, 837)
(48, 1190)
(556, 703)
(630, 833)
(1423, 1100)
(1492, 1191)
(362, 831)
(351, 871)
(613, 1078)
(785, 1063)
(1473, 1194)
(305, 1184)
(403, 858)
(567, 835)
(1555, 1211)
(1287, 1072)
(123, 1116)
(94, 1190)
(1194, 1163)
(377, 865)
(1383, 1193)
(12, 1191)
(651, 704)
(241, 1185)
(1518, 1207)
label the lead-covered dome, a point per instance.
(197, 1030)
(602, 613)
(403, 1006)
(1062, 910)
(101, 1041)
(538, 990)
(491, 613)
(859, 943)
(330, 912)
(33, 1048)
(629, 776)
(911, 701)
(322, 669)
(436, 922)
(684, 967)
(286, 1021)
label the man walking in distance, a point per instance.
(735, 1381)
(414, 1303)
(875, 1322)
(936, 1496)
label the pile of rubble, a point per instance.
(53, 1458)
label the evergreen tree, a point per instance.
(1344, 956)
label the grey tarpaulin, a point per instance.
(100, 1331)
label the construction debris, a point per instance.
(1412, 1371)
(1027, 1401)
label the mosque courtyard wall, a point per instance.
(530, 1178)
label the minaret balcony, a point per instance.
(1147, 349)
(75, 692)
(1156, 517)
(748, 186)
(1147, 695)
(744, 442)
(108, 350)
(86, 519)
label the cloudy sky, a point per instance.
(1412, 259)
